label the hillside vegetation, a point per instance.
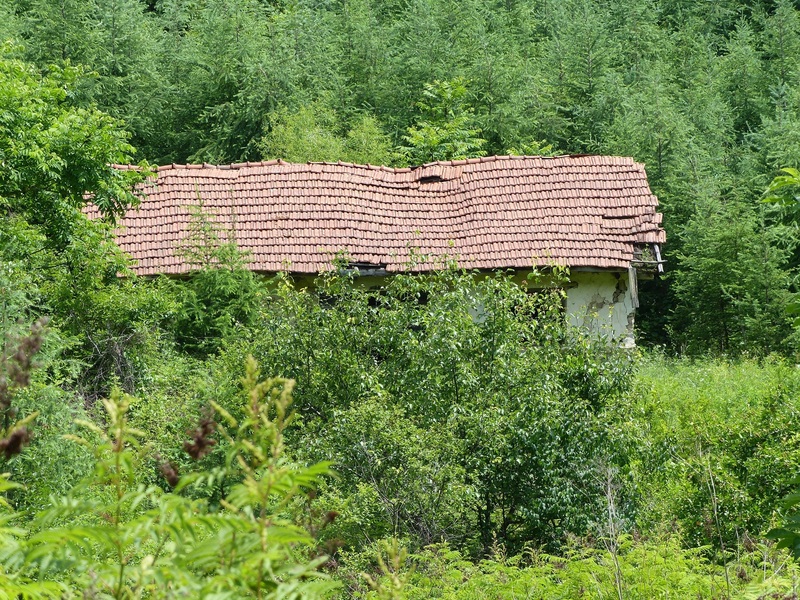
(227, 435)
(704, 93)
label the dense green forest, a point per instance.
(227, 435)
(704, 93)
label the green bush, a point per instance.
(717, 445)
(466, 404)
(640, 570)
(220, 295)
(111, 537)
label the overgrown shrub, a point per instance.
(641, 570)
(717, 446)
(462, 403)
(220, 295)
(111, 537)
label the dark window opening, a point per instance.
(430, 179)
(364, 268)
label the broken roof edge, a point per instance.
(416, 270)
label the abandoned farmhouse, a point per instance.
(595, 215)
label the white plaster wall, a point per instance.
(602, 302)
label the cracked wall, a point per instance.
(602, 302)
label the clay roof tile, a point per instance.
(490, 212)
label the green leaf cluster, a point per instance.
(112, 537)
(453, 405)
(657, 568)
(57, 155)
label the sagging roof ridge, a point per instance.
(601, 159)
(505, 212)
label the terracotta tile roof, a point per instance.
(492, 212)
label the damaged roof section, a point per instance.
(487, 213)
